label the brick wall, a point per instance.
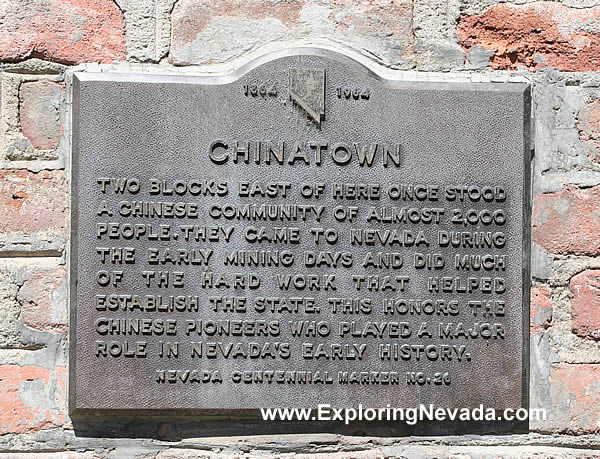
(556, 45)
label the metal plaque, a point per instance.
(299, 232)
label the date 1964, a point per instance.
(268, 89)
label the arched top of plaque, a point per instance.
(334, 56)
(304, 76)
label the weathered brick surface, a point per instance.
(34, 210)
(40, 104)
(585, 305)
(43, 299)
(148, 28)
(32, 299)
(30, 398)
(564, 320)
(540, 309)
(66, 31)
(588, 123)
(568, 221)
(205, 31)
(575, 397)
(9, 313)
(540, 34)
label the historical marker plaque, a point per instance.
(299, 232)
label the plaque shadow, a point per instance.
(177, 428)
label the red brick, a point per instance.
(540, 34)
(65, 31)
(540, 310)
(579, 401)
(568, 221)
(30, 398)
(34, 211)
(32, 202)
(44, 301)
(196, 15)
(204, 31)
(588, 123)
(585, 305)
(39, 111)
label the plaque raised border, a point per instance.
(305, 117)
